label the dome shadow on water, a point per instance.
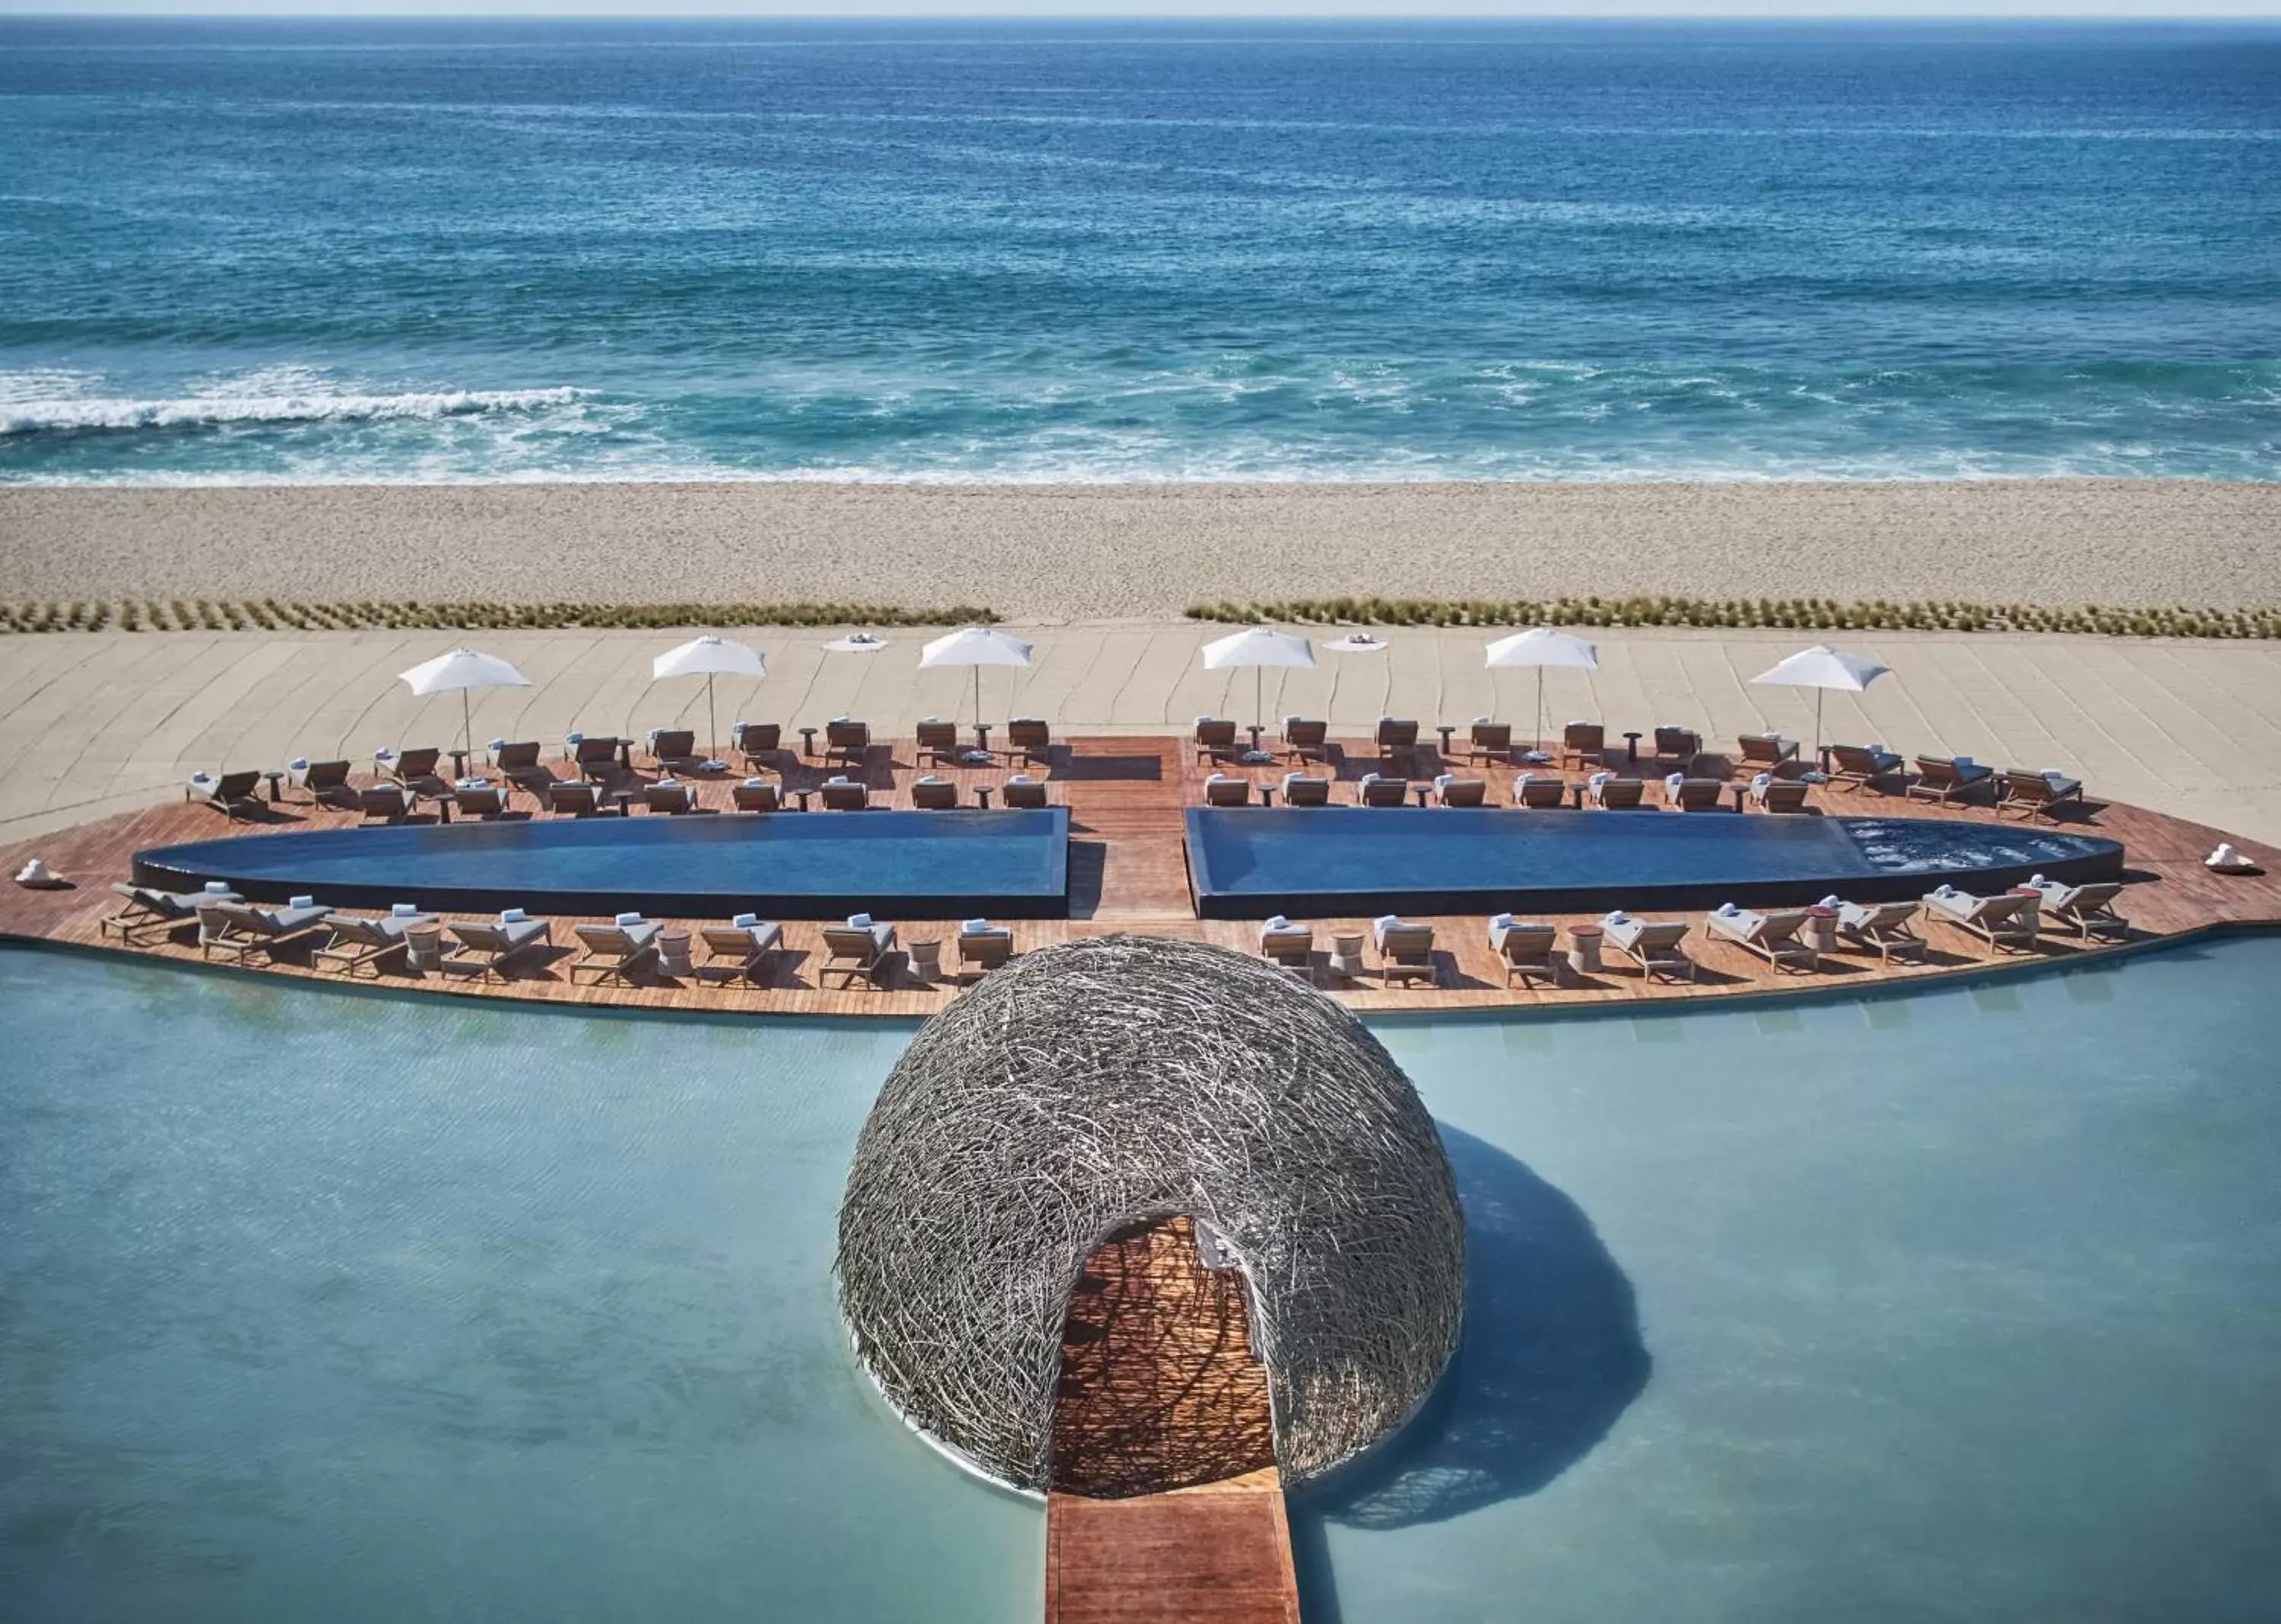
(1550, 1357)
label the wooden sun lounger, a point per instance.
(1291, 946)
(1676, 748)
(1772, 937)
(980, 952)
(1943, 779)
(613, 951)
(1489, 741)
(1022, 793)
(1767, 751)
(359, 945)
(1856, 766)
(234, 796)
(847, 742)
(676, 799)
(151, 914)
(1694, 794)
(760, 743)
(739, 950)
(2087, 909)
(574, 800)
(488, 803)
(326, 784)
(849, 797)
(1528, 953)
(1396, 738)
(1405, 953)
(1306, 741)
(1299, 790)
(2032, 795)
(1583, 744)
(1540, 793)
(1461, 793)
(519, 764)
(937, 742)
(1215, 739)
(1781, 795)
(933, 795)
(1653, 946)
(755, 795)
(857, 952)
(1377, 792)
(597, 759)
(1221, 791)
(1616, 794)
(2005, 921)
(387, 803)
(1029, 738)
(674, 750)
(240, 933)
(488, 946)
(1885, 927)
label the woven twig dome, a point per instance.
(1107, 1082)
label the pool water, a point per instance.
(1958, 1302)
(1312, 862)
(819, 865)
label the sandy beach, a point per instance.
(1063, 553)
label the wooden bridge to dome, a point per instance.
(1165, 1503)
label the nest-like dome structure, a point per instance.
(1098, 1084)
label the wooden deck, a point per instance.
(1128, 873)
(1165, 1503)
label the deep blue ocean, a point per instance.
(603, 250)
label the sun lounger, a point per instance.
(1779, 794)
(1452, 791)
(359, 944)
(1945, 779)
(1539, 793)
(2037, 794)
(849, 742)
(933, 795)
(239, 932)
(1405, 951)
(1772, 937)
(739, 947)
(1676, 748)
(758, 742)
(983, 948)
(1860, 766)
(1613, 793)
(1396, 739)
(1489, 741)
(1378, 791)
(1215, 739)
(486, 801)
(1022, 793)
(2008, 922)
(1291, 946)
(2087, 909)
(576, 800)
(937, 741)
(415, 769)
(326, 784)
(597, 759)
(1767, 751)
(1221, 790)
(232, 794)
(387, 803)
(845, 795)
(755, 795)
(1526, 950)
(674, 749)
(613, 951)
(857, 951)
(1585, 744)
(1300, 790)
(1686, 794)
(519, 764)
(1031, 738)
(488, 946)
(674, 799)
(152, 914)
(1306, 741)
(1887, 927)
(1651, 944)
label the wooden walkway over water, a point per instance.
(1128, 873)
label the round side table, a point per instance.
(673, 952)
(1584, 949)
(1346, 955)
(423, 947)
(1822, 929)
(926, 955)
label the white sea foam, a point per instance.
(22, 413)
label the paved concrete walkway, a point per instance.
(102, 722)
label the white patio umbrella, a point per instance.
(467, 670)
(855, 643)
(1353, 643)
(978, 646)
(1258, 647)
(1821, 668)
(708, 657)
(1540, 647)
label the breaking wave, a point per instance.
(69, 416)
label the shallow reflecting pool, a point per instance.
(1960, 1304)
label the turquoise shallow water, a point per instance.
(1953, 1305)
(449, 250)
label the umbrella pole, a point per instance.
(1540, 710)
(712, 723)
(467, 723)
(1817, 723)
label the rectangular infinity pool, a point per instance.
(793, 865)
(1246, 861)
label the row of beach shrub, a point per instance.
(1799, 613)
(276, 614)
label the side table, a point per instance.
(1584, 949)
